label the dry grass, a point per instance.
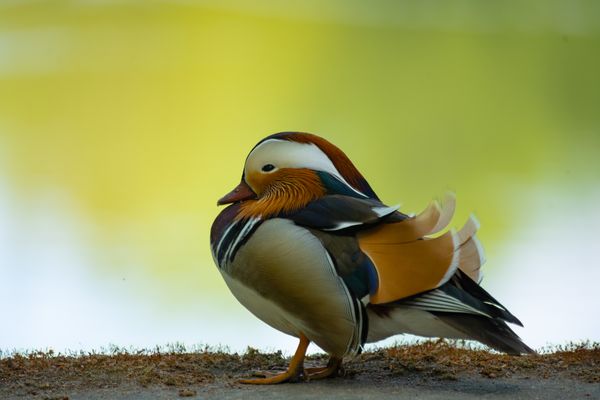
(45, 372)
(441, 359)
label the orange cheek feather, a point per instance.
(257, 181)
(285, 190)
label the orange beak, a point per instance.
(240, 193)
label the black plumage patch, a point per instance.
(459, 295)
(339, 212)
(227, 241)
(244, 238)
(490, 331)
(233, 238)
(468, 291)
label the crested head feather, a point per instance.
(343, 167)
(288, 170)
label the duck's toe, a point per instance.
(269, 378)
(331, 370)
(294, 372)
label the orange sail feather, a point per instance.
(408, 262)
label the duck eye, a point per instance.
(268, 167)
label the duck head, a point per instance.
(287, 170)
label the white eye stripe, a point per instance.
(288, 154)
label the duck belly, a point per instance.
(285, 277)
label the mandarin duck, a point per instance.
(307, 247)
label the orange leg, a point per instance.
(294, 370)
(331, 370)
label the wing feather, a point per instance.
(430, 221)
(338, 212)
(438, 300)
(472, 256)
(406, 269)
(408, 261)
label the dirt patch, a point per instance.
(51, 376)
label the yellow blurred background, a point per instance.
(122, 123)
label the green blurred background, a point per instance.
(122, 122)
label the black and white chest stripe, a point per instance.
(233, 238)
